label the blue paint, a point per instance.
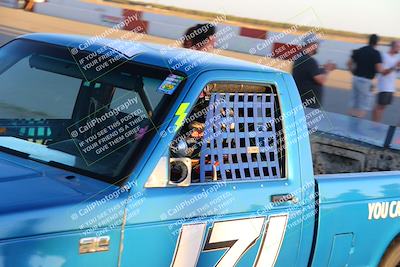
(38, 202)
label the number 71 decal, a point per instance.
(237, 236)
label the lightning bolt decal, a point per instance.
(181, 113)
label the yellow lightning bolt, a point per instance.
(181, 113)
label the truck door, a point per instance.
(223, 186)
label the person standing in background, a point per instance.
(200, 37)
(364, 63)
(308, 75)
(29, 4)
(387, 80)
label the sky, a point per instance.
(362, 16)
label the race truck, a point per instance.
(120, 154)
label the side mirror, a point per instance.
(180, 172)
(171, 172)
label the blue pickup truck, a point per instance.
(121, 154)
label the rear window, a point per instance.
(17, 81)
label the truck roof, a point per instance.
(153, 54)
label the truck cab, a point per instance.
(121, 154)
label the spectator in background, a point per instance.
(387, 80)
(364, 63)
(200, 37)
(308, 75)
(187, 41)
(29, 4)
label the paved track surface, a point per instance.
(15, 22)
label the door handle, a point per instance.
(283, 198)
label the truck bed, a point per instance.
(346, 214)
(334, 154)
(344, 144)
(356, 165)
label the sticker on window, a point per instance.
(169, 85)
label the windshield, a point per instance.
(53, 112)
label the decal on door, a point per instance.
(236, 237)
(383, 210)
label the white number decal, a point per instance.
(238, 236)
(188, 247)
(272, 241)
